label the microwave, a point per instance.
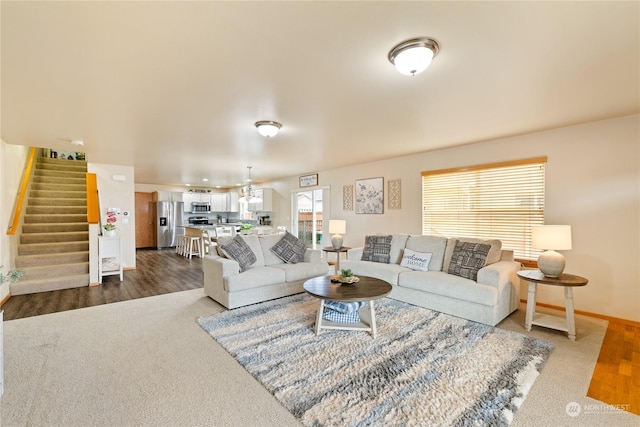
(200, 207)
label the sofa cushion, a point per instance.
(238, 250)
(254, 278)
(302, 270)
(441, 283)
(387, 272)
(434, 244)
(416, 260)
(267, 241)
(377, 249)
(468, 258)
(495, 253)
(290, 249)
(398, 242)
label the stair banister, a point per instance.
(24, 184)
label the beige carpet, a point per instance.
(146, 362)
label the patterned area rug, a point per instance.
(424, 367)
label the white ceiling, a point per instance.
(174, 88)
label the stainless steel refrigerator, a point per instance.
(169, 223)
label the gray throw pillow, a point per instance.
(289, 249)
(468, 258)
(238, 250)
(377, 249)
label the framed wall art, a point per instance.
(369, 196)
(394, 194)
(347, 197)
(308, 180)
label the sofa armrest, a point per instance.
(498, 274)
(355, 254)
(313, 255)
(507, 255)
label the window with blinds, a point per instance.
(496, 201)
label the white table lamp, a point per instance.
(551, 238)
(337, 227)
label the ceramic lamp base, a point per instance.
(551, 263)
(336, 241)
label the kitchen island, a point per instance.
(195, 230)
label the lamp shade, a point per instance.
(556, 237)
(337, 226)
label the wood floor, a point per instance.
(615, 381)
(616, 377)
(156, 273)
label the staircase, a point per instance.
(54, 244)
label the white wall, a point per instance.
(592, 183)
(12, 161)
(117, 194)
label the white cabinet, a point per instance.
(189, 198)
(233, 201)
(167, 196)
(266, 200)
(218, 202)
(109, 257)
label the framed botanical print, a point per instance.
(369, 196)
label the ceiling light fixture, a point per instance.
(413, 56)
(268, 128)
(77, 142)
(248, 195)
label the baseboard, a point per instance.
(588, 313)
(128, 268)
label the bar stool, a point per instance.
(206, 242)
(192, 246)
(180, 244)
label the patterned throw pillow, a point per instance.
(289, 249)
(238, 250)
(468, 258)
(377, 249)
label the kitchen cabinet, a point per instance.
(218, 202)
(167, 196)
(189, 198)
(233, 201)
(266, 203)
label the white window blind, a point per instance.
(497, 201)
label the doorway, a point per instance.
(308, 207)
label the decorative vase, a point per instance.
(110, 233)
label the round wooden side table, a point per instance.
(337, 251)
(568, 281)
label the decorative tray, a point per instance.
(345, 280)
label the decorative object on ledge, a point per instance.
(370, 196)
(308, 180)
(551, 238)
(268, 128)
(337, 227)
(347, 197)
(394, 194)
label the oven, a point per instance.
(198, 220)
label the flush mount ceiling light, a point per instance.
(268, 128)
(77, 142)
(413, 56)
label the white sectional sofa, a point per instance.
(267, 278)
(488, 299)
